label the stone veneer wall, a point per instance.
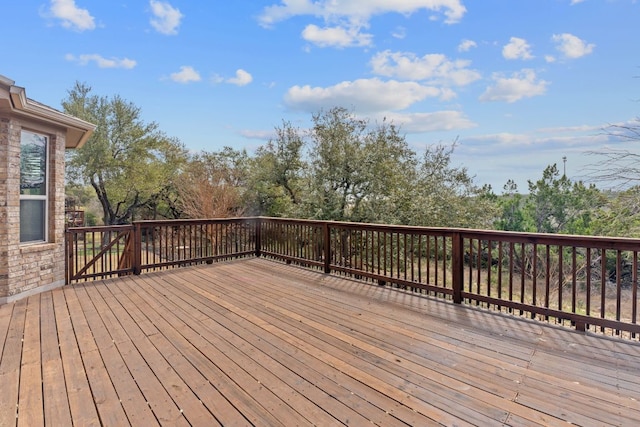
(26, 269)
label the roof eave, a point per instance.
(78, 131)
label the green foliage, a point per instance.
(621, 217)
(446, 196)
(128, 162)
(276, 175)
(337, 179)
(390, 168)
(347, 169)
(558, 205)
(90, 219)
(344, 168)
(358, 172)
(79, 195)
(83, 197)
(512, 214)
(555, 204)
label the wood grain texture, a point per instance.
(256, 342)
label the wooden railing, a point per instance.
(590, 283)
(104, 252)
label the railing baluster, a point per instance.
(500, 264)
(534, 278)
(603, 284)
(547, 279)
(479, 270)
(457, 258)
(588, 282)
(511, 272)
(523, 262)
(618, 286)
(634, 291)
(489, 265)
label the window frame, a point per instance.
(44, 198)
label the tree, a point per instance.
(276, 175)
(390, 175)
(211, 185)
(511, 204)
(127, 162)
(619, 167)
(83, 197)
(446, 196)
(621, 217)
(558, 205)
(357, 172)
(336, 157)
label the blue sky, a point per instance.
(518, 83)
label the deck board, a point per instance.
(30, 403)
(78, 391)
(10, 362)
(55, 396)
(256, 342)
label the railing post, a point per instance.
(327, 247)
(258, 223)
(137, 248)
(457, 267)
(68, 255)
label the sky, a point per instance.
(517, 85)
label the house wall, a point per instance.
(26, 269)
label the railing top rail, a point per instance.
(193, 221)
(601, 242)
(363, 225)
(623, 243)
(101, 228)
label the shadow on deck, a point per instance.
(256, 342)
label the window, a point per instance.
(33, 187)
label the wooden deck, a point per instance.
(255, 342)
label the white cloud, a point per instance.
(466, 45)
(366, 95)
(336, 36)
(358, 10)
(513, 143)
(428, 122)
(345, 19)
(500, 140)
(564, 129)
(576, 2)
(101, 61)
(571, 46)
(71, 15)
(264, 135)
(166, 19)
(523, 84)
(431, 67)
(186, 74)
(242, 78)
(517, 48)
(399, 33)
